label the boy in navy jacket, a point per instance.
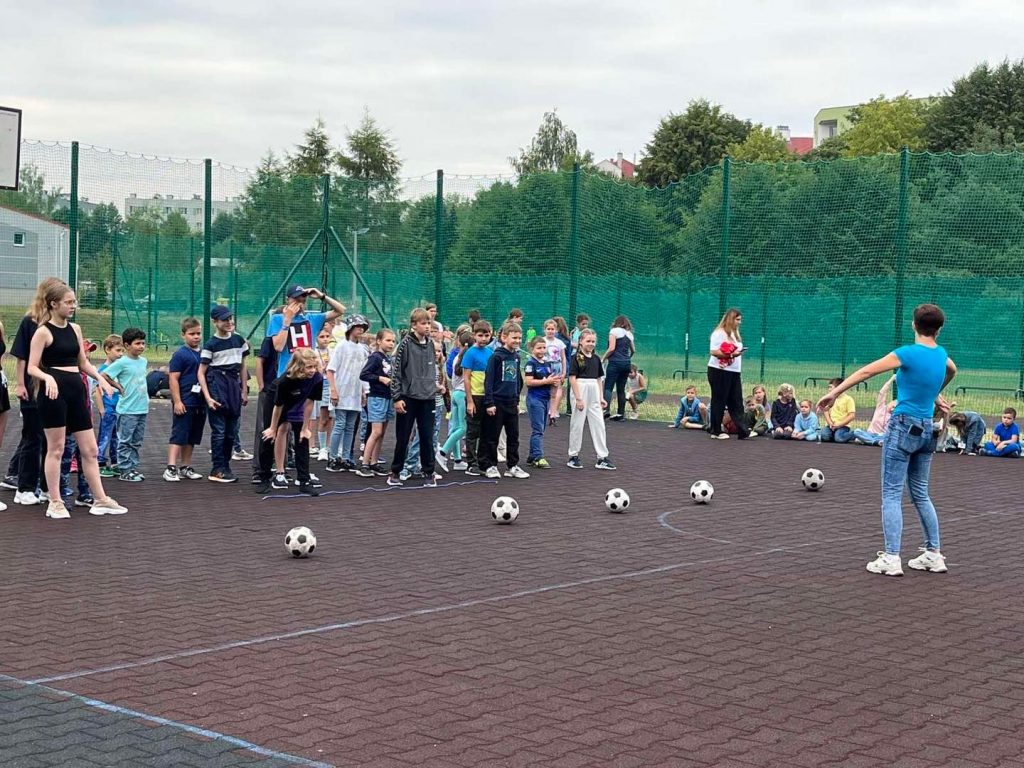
(502, 384)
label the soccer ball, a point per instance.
(702, 491)
(504, 510)
(300, 542)
(813, 479)
(617, 500)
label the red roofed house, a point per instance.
(798, 145)
(619, 168)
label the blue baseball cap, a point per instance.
(221, 313)
(296, 291)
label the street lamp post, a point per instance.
(355, 259)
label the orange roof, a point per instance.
(800, 145)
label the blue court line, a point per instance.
(664, 523)
(191, 729)
(390, 618)
(375, 489)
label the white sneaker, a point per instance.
(460, 466)
(404, 475)
(171, 475)
(517, 472)
(721, 436)
(493, 472)
(441, 460)
(886, 564)
(242, 455)
(928, 561)
(57, 511)
(322, 455)
(28, 498)
(107, 506)
(3, 507)
(633, 416)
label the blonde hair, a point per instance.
(297, 365)
(729, 325)
(509, 326)
(784, 388)
(39, 309)
(809, 403)
(580, 357)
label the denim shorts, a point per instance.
(187, 428)
(379, 410)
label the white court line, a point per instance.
(663, 521)
(391, 618)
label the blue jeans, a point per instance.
(222, 431)
(341, 435)
(841, 435)
(108, 438)
(868, 438)
(537, 408)
(71, 451)
(1013, 449)
(907, 461)
(131, 431)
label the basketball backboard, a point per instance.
(10, 147)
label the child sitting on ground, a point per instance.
(1007, 433)
(783, 415)
(971, 428)
(805, 425)
(636, 389)
(756, 417)
(692, 412)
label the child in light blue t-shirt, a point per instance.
(128, 374)
(805, 426)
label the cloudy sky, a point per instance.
(462, 83)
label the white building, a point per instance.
(190, 208)
(31, 248)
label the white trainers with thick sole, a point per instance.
(493, 472)
(57, 511)
(517, 472)
(928, 561)
(886, 564)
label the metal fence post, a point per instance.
(191, 276)
(901, 244)
(723, 265)
(574, 240)
(73, 220)
(439, 235)
(207, 242)
(154, 286)
(113, 281)
(325, 228)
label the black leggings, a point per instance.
(726, 392)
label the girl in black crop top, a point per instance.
(5, 397)
(57, 360)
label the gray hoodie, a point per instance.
(414, 370)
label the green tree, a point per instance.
(761, 145)
(987, 102)
(831, 148)
(32, 195)
(688, 143)
(554, 147)
(314, 156)
(887, 125)
(277, 207)
(370, 156)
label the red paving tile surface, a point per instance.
(742, 633)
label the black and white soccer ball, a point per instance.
(617, 500)
(813, 479)
(702, 491)
(504, 510)
(300, 542)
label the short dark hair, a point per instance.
(473, 316)
(482, 326)
(1010, 412)
(128, 335)
(189, 323)
(928, 319)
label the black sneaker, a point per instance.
(364, 470)
(574, 463)
(393, 481)
(381, 470)
(280, 482)
(616, 417)
(430, 482)
(348, 466)
(308, 489)
(256, 480)
(605, 463)
(10, 483)
(473, 471)
(261, 486)
(220, 476)
(335, 465)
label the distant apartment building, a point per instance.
(619, 168)
(832, 121)
(191, 209)
(31, 248)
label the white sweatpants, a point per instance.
(592, 414)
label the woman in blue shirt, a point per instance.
(923, 369)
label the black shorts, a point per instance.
(5, 399)
(70, 409)
(187, 429)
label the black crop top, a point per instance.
(63, 350)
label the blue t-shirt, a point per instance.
(131, 375)
(109, 401)
(302, 334)
(1003, 432)
(537, 370)
(185, 362)
(474, 367)
(919, 379)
